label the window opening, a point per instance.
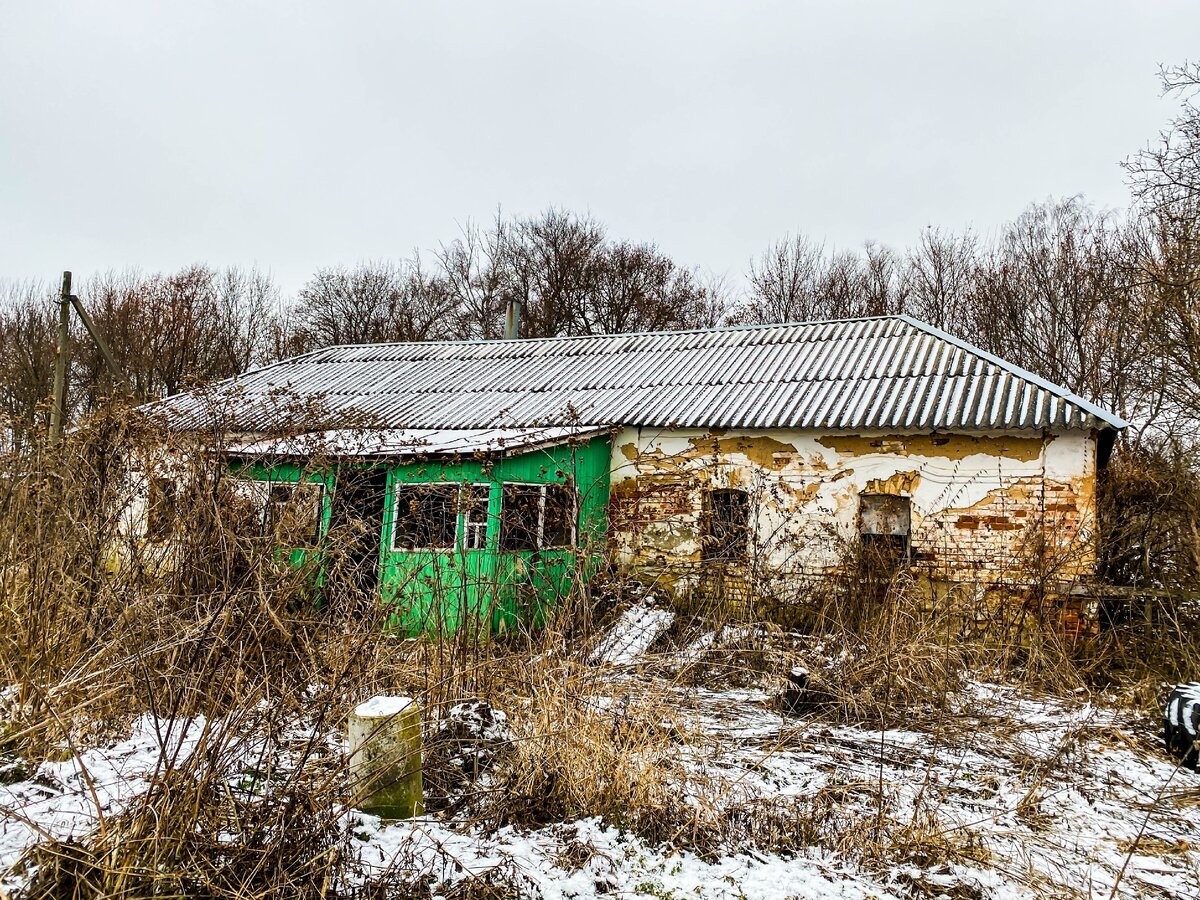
(356, 527)
(426, 517)
(247, 504)
(293, 512)
(536, 517)
(289, 511)
(559, 515)
(728, 532)
(885, 526)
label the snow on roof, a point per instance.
(888, 373)
(413, 442)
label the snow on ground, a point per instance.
(68, 799)
(1033, 797)
(1036, 797)
(586, 859)
(1053, 792)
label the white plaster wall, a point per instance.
(808, 490)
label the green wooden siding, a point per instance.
(291, 474)
(441, 591)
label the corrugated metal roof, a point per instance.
(412, 442)
(889, 373)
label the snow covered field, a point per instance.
(1008, 796)
(1035, 798)
(994, 793)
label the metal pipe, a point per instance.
(512, 319)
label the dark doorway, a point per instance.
(356, 528)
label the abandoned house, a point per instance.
(484, 476)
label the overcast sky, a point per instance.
(299, 135)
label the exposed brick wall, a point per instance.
(995, 510)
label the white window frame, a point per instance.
(456, 486)
(258, 492)
(467, 498)
(541, 522)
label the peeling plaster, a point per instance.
(902, 484)
(762, 450)
(947, 446)
(975, 498)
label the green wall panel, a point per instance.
(442, 591)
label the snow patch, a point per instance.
(382, 706)
(632, 635)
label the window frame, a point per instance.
(257, 493)
(398, 487)
(465, 523)
(540, 532)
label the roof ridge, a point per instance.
(719, 329)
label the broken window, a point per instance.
(475, 500)
(884, 525)
(160, 509)
(426, 517)
(537, 517)
(245, 505)
(356, 514)
(290, 512)
(293, 512)
(728, 524)
(558, 516)
(520, 517)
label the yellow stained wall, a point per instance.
(991, 508)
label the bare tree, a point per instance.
(374, 301)
(1056, 294)
(477, 279)
(940, 278)
(1165, 178)
(796, 280)
(552, 262)
(168, 331)
(785, 283)
(637, 288)
(28, 321)
(883, 287)
(570, 278)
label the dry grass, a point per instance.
(576, 755)
(96, 628)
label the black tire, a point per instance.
(1181, 723)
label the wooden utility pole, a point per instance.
(66, 301)
(109, 361)
(60, 362)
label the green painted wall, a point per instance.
(292, 473)
(438, 591)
